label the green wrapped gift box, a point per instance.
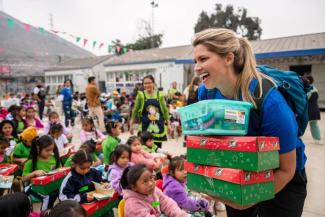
(248, 152)
(241, 187)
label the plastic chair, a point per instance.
(120, 208)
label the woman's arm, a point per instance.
(286, 171)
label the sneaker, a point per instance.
(219, 206)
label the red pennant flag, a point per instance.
(27, 27)
(117, 49)
(85, 41)
(101, 45)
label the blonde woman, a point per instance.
(226, 63)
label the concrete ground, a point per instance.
(315, 168)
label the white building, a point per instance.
(125, 71)
(78, 70)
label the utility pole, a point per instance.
(51, 21)
(153, 5)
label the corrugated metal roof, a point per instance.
(290, 43)
(151, 55)
(312, 42)
(80, 63)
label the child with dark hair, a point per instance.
(15, 205)
(113, 129)
(90, 147)
(22, 149)
(4, 144)
(31, 120)
(119, 160)
(43, 158)
(19, 115)
(141, 157)
(67, 208)
(89, 131)
(56, 132)
(54, 118)
(78, 184)
(149, 146)
(174, 185)
(141, 196)
(8, 130)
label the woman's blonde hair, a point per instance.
(224, 41)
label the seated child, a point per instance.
(22, 149)
(43, 158)
(54, 118)
(31, 119)
(120, 159)
(77, 185)
(56, 132)
(174, 185)
(89, 131)
(149, 146)
(8, 130)
(4, 144)
(113, 129)
(141, 157)
(90, 147)
(66, 208)
(141, 196)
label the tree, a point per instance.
(238, 21)
(146, 40)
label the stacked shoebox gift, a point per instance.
(222, 161)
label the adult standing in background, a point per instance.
(67, 97)
(94, 104)
(313, 111)
(39, 96)
(151, 112)
(190, 92)
(172, 92)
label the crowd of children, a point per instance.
(131, 168)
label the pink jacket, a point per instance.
(85, 136)
(146, 158)
(138, 205)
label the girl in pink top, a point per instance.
(31, 119)
(141, 157)
(89, 131)
(142, 198)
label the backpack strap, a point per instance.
(256, 113)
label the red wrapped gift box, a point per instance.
(44, 180)
(237, 185)
(99, 147)
(8, 169)
(247, 153)
(98, 207)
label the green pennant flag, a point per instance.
(94, 44)
(10, 23)
(41, 29)
(78, 39)
(124, 50)
(110, 48)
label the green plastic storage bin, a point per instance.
(216, 117)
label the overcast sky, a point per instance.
(106, 20)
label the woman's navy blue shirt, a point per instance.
(277, 119)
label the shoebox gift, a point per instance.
(8, 169)
(239, 186)
(215, 117)
(101, 208)
(242, 152)
(50, 182)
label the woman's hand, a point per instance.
(230, 203)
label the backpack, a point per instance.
(294, 90)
